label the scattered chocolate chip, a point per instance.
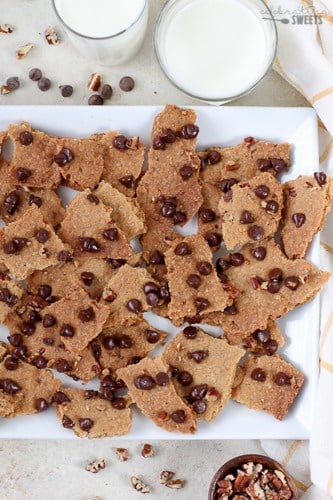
(11, 202)
(119, 403)
(178, 416)
(89, 245)
(194, 281)
(64, 256)
(255, 232)
(162, 379)
(169, 136)
(236, 259)
(125, 342)
(62, 366)
(186, 172)
(198, 392)
(86, 424)
(201, 303)
(119, 142)
(93, 199)
(230, 310)
(44, 291)
(23, 174)
(95, 100)
(144, 382)
(87, 314)
(152, 299)
(169, 207)
(67, 331)
(275, 274)
(184, 378)
(213, 239)
(44, 84)
(41, 405)
(261, 336)
(152, 337)
(298, 219)
(225, 185)
(190, 332)
(9, 386)
(204, 268)
(106, 91)
(27, 328)
(183, 249)
(199, 407)
(87, 278)
(207, 215)
(67, 422)
(156, 258)
(126, 84)
(134, 305)
(34, 317)
(262, 191)
(189, 131)
(49, 320)
(179, 217)
(197, 356)
(213, 157)
(48, 341)
(127, 181)
(274, 286)
(278, 165)
(35, 74)
(40, 362)
(21, 353)
(270, 347)
(15, 339)
(35, 200)
(272, 207)
(165, 292)
(90, 394)
(116, 263)
(60, 397)
(320, 178)
(246, 217)
(259, 253)
(158, 143)
(109, 343)
(66, 90)
(292, 282)
(111, 234)
(258, 375)
(42, 235)
(281, 379)
(11, 363)
(25, 138)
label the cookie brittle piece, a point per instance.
(261, 341)
(29, 244)
(25, 388)
(268, 383)
(119, 346)
(125, 211)
(150, 386)
(223, 167)
(206, 368)
(91, 416)
(269, 286)
(88, 227)
(130, 292)
(10, 294)
(307, 201)
(194, 286)
(123, 160)
(251, 210)
(32, 164)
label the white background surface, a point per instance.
(34, 470)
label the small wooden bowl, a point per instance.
(236, 462)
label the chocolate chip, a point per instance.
(261, 336)
(49, 321)
(111, 234)
(162, 379)
(158, 143)
(109, 343)
(278, 165)
(199, 407)
(7, 297)
(40, 362)
(190, 332)
(246, 217)
(106, 91)
(179, 217)
(35, 74)
(87, 314)
(189, 131)
(222, 265)
(204, 268)
(13, 83)
(87, 278)
(10, 248)
(186, 172)
(149, 287)
(21, 352)
(320, 178)
(270, 347)
(183, 249)
(44, 84)
(134, 305)
(95, 100)
(198, 392)
(225, 185)
(207, 215)
(152, 337)
(264, 164)
(62, 366)
(272, 207)
(169, 136)
(262, 191)
(9, 386)
(23, 174)
(292, 282)
(90, 394)
(93, 199)
(67, 422)
(174, 371)
(213, 239)
(15, 339)
(236, 259)
(67, 331)
(25, 138)
(66, 90)
(119, 403)
(125, 342)
(127, 181)
(156, 258)
(165, 292)
(11, 202)
(273, 286)
(281, 379)
(298, 219)
(27, 328)
(126, 84)
(41, 405)
(275, 274)
(119, 142)
(11, 363)
(60, 159)
(178, 416)
(255, 232)
(169, 206)
(64, 256)
(144, 382)
(201, 303)
(116, 263)
(44, 291)
(197, 356)
(86, 424)
(42, 235)
(230, 310)
(152, 299)
(89, 245)
(34, 317)
(194, 281)
(258, 375)
(60, 397)
(185, 378)
(259, 253)
(213, 157)
(35, 200)
(48, 341)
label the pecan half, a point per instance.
(23, 51)
(51, 36)
(95, 466)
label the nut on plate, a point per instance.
(123, 454)
(147, 450)
(6, 28)
(139, 485)
(175, 484)
(51, 36)
(23, 51)
(94, 82)
(95, 466)
(165, 476)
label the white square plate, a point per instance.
(218, 126)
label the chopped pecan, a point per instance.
(213, 394)
(175, 484)
(147, 451)
(6, 28)
(165, 476)
(4, 90)
(241, 482)
(224, 487)
(139, 485)
(132, 143)
(95, 466)
(123, 454)
(94, 82)
(23, 51)
(51, 36)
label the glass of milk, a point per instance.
(108, 31)
(215, 50)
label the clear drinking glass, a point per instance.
(174, 7)
(112, 50)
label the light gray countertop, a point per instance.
(34, 470)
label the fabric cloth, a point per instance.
(305, 60)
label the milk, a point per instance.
(213, 49)
(110, 31)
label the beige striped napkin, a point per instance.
(305, 60)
